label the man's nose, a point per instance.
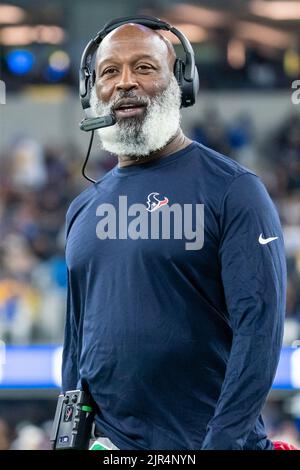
(127, 80)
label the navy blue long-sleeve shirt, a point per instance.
(177, 337)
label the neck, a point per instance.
(178, 142)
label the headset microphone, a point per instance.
(91, 124)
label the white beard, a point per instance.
(140, 137)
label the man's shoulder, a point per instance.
(219, 164)
(80, 201)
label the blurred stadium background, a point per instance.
(248, 55)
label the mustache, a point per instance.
(117, 101)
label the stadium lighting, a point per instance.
(291, 63)
(20, 61)
(276, 10)
(24, 35)
(59, 61)
(264, 35)
(236, 54)
(198, 15)
(10, 14)
(193, 32)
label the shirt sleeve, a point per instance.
(70, 348)
(70, 345)
(253, 270)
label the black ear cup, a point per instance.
(178, 71)
(189, 89)
(93, 78)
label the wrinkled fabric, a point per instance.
(179, 347)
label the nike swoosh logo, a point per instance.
(264, 241)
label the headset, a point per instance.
(185, 71)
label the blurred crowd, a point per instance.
(36, 187)
(26, 436)
(26, 424)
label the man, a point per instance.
(176, 271)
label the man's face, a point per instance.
(135, 81)
(135, 60)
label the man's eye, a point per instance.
(109, 70)
(144, 67)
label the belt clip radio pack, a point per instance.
(73, 421)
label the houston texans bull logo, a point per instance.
(153, 203)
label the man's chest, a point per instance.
(163, 223)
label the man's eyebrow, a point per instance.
(135, 58)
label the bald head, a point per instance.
(132, 35)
